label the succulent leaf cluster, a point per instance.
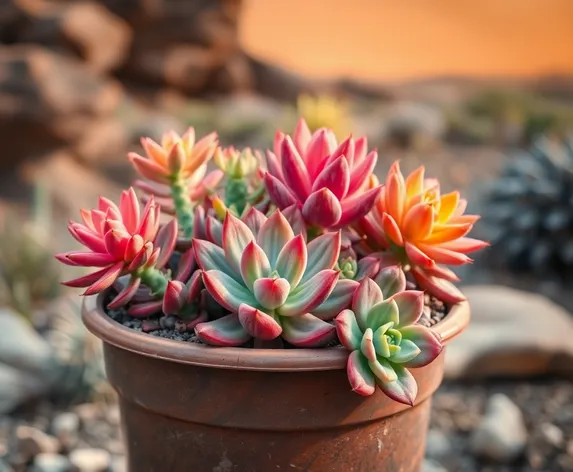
(384, 341)
(302, 248)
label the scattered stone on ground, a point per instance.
(50, 462)
(462, 411)
(430, 465)
(90, 460)
(501, 435)
(512, 334)
(26, 361)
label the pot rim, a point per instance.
(237, 358)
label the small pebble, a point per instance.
(47, 462)
(437, 444)
(31, 442)
(90, 460)
(570, 447)
(87, 412)
(432, 466)
(501, 436)
(168, 322)
(552, 434)
(65, 427)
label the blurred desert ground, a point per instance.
(462, 87)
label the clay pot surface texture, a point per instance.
(191, 407)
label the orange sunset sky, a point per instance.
(395, 39)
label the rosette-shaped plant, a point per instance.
(243, 183)
(327, 181)
(272, 282)
(422, 229)
(384, 341)
(121, 241)
(174, 162)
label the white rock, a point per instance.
(511, 333)
(437, 444)
(65, 427)
(501, 436)
(90, 460)
(552, 434)
(47, 462)
(118, 464)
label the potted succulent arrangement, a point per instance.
(290, 315)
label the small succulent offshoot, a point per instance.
(384, 341)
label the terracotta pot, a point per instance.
(189, 407)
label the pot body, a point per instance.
(255, 410)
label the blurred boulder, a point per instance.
(48, 101)
(512, 334)
(84, 28)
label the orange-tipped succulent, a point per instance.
(423, 229)
(176, 163)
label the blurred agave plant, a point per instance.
(29, 276)
(78, 353)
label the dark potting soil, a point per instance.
(167, 327)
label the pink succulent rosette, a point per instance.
(327, 181)
(120, 240)
(272, 282)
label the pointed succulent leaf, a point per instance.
(186, 265)
(146, 309)
(165, 241)
(335, 177)
(174, 297)
(323, 253)
(429, 343)
(338, 300)
(310, 294)
(254, 219)
(254, 264)
(273, 236)
(367, 345)
(410, 306)
(307, 331)
(322, 209)
(292, 260)
(382, 369)
(280, 195)
(226, 291)
(226, 331)
(440, 288)
(295, 219)
(360, 375)
(211, 257)
(106, 280)
(126, 294)
(404, 389)
(391, 280)
(365, 297)
(383, 312)
(271, 293)
(258, 324)
(236, 236)
(349, 333)
(408, 351)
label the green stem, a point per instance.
(155, 280)
(183, 207)
(236, 194)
